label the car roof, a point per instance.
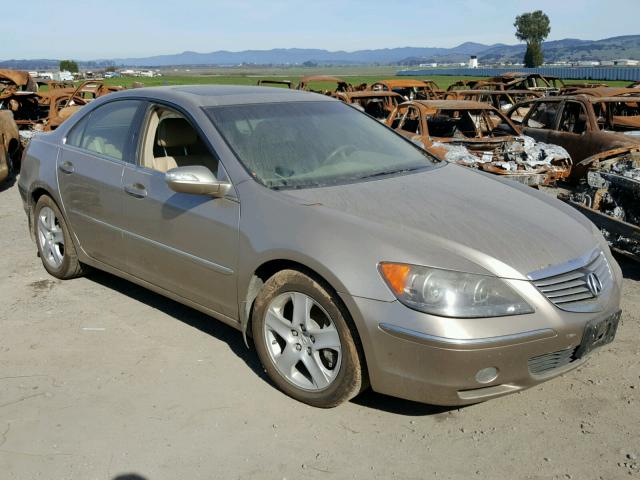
(220, 95)
(369, 94)
(402, 82)
(497, 92)
(454, 104)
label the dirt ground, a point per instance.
(100, 378)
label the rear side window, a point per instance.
(106, 130)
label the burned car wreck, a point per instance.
(609, 196)
(478, 135)
(10, 146)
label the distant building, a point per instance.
(625, 62)
(473, 61)
(63, 76)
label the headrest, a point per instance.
(176, 132)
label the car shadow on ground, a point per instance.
(8, 183)
(187, 315)
(233, 338)
(398, 406)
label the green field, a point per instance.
(240, 76)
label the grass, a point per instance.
(353, 76)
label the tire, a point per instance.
(56, 250)
(289, 343)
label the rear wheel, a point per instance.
(304, 342)
(55, 248)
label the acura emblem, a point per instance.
(594, 284)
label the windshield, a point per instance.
(311, 144)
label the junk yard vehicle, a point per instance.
(477, 135)
(410, 89)
(10, 146)
(503, 100)
(602, 134)
(378, 104)
(583, 125)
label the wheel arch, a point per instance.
(269, 268)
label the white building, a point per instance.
(63, 76)
(473, 62)
(625, 62)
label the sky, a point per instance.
(140, 28)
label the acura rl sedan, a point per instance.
(349, 255)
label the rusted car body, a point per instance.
(584, 125)
(310, 83)
(410, 89)
(474, 85)
(378, 104)
(503, 100)
(46, 110)
(532, 81)
(10, 147)
(602, 134)
(608, 92)
(16, 81)
(573, 88)
(477, 135)
(609, 196)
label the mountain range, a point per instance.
(557, 50)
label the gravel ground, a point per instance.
(100, 378)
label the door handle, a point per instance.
(66, 167)
(136, 190)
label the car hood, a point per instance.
(507, 229)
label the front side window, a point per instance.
(542, 115)
(574, 118)
(310, 144)
(106, 130)
(171, 141)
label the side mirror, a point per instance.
(197, 180)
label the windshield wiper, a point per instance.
(390, 172)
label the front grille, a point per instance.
(550, 361)
(569, 289)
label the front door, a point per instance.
(186, 244)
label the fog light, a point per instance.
(487, 375)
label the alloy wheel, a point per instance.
(50, 237)
(302, 341)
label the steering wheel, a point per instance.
(343, 150)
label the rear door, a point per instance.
(186, 244)
(90, 167)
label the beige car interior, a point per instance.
(171, 141)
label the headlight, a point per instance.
(452, 294)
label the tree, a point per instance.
(68, 66)
(533, 28)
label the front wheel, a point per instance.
(304, 342)
(55, 247)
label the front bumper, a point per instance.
(408, 356)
